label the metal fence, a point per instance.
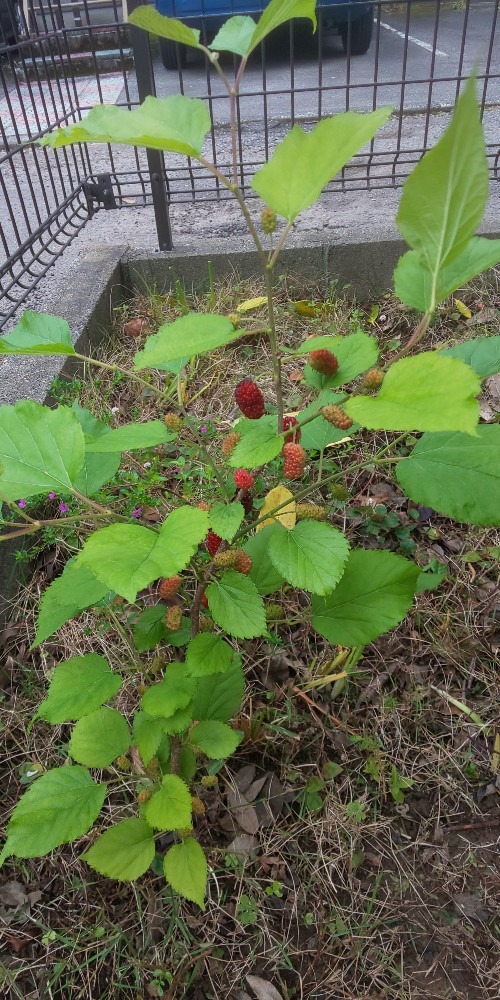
(57, 59)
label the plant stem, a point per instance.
(274, 348)
(417, 335)
(279, 246)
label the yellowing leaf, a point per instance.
(305, 308)
(250, 304)
(462, 308)
(286, 516)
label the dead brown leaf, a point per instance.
(263, 989)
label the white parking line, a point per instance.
(411, 38)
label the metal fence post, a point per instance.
(141, 47)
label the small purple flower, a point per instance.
(21, 503)
(203, 429)
(176, 470)
(147, 465)
(137, 512)
(63, 508)
(52, 496)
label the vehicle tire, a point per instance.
(172, 54)
(361, 34)
(19, 22)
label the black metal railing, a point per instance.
(57, 59)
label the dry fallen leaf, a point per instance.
(263, 989)
(462, 308)
(249, 304)
(135, 327)
(305, 308)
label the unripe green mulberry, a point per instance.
(226, 560)
(173, 618)
(152, 768)
(273, 612)
(123, 763)
(268, 220)
(173, 422)
(209, 781)
(339, 492)
(206, 623)
(310, 512)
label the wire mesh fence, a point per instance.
(58, 59)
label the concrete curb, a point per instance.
(359, 268)
(87, 304)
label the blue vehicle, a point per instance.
(353, 21)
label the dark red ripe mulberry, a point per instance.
(247, 500)
(249, 399)
(288, 423)
(243, 479)
(213, 542)
(323, 361)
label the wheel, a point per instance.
(19, 22)
(172, 54)
(361, 34)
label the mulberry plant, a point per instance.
(196, 587)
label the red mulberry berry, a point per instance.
(288, 423)
(169, 588)
(323, 361)
(295, 460)
(243, 562)
(243, 479)
(249, 399)
(213, 542)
